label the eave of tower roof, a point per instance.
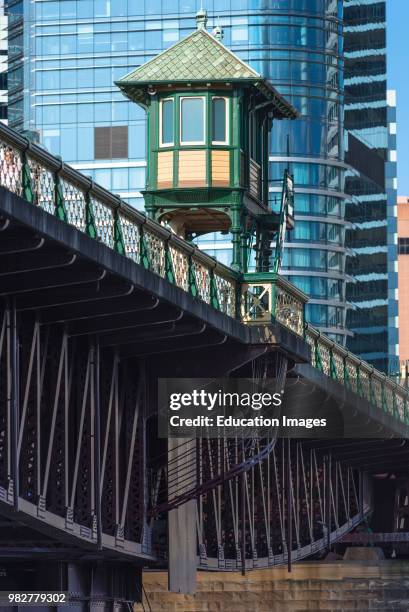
(199, 58)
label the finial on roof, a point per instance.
(201, 19)
(218, 33)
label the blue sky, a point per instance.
(398, 78)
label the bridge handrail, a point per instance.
(43, 179)
(369, 383)
(29, 171)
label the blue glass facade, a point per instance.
(76, 49)
(66, 55)
(371, 183)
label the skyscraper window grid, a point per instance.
(67, 55)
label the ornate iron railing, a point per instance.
(339, 364)
(267, 297)
(44, 180)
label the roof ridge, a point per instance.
(219, 47)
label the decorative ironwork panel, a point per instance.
(338, 361)
(400, 406)
(377, 391)
(311, 341)
(289, 310)
(202, 276)
(389, 399)
(10, 168)
(74, 201)
(131, 236)
(351, 374)
(155, 251)
(104, 222)
(180, 264)
(364, 381)
(42, 184)
(325, 354)
(226, 294)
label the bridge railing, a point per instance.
(44, 180)
(265, 296)
(339, 364)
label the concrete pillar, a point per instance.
(182, 538)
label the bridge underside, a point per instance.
(84, 335)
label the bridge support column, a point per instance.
(182, 521)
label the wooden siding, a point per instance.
(255, 179)
(221, 168)
(192, 168)
(165, 169)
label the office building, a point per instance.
(3, 64)
(370, 122)
(66, 56)
(403, 275)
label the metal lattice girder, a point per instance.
(297, 501)
(72, 455)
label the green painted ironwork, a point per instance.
(384, 402)
(332, 365)
(359, 387)
(318, 359)
(394, 403)
(90, 225)
(392, 398)
(372, 397)
(192, 279)
(347, 379)
(214, 298)
(27, 185)
(59, 204)
(119, 244)
(169, 272)
(143, 247)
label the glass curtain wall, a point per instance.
(67, 55)
(371, 183)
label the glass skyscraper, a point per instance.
(66, 55)
(371, 182)
(3, 64)
(303, 50)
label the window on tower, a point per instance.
(219, 121)
(167, 123)
(192, 120)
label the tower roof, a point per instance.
(199, 58)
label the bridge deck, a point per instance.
(86, 275)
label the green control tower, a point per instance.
(209, 120)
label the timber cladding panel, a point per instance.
(165, 169)
(192, 168)
(221, 168)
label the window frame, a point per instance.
(161, 143)
(192, 142)
(225, 142)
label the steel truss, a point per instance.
(72, 429)
(294, 503)
(270, 501)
